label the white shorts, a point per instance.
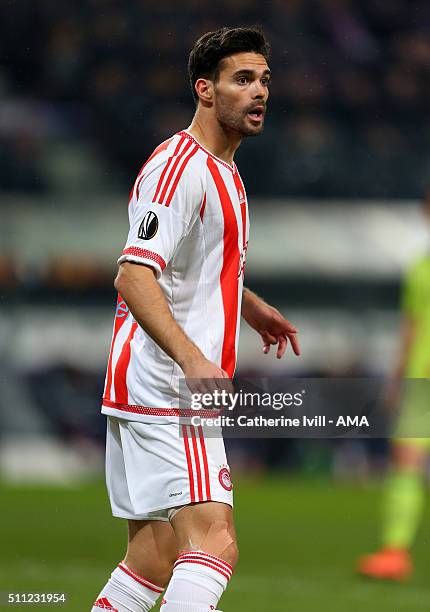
(152, 468)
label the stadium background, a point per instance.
(88, 89)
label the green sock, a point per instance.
(403, 505)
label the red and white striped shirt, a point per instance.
(189, 221)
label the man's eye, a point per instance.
(266, 82)
(242, 80)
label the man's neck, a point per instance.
(213, 137)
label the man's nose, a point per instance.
(260, 92)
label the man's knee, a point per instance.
(219, 540)
(158, 571)
(152, 550)
(231, 554)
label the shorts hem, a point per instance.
(136, 517)
(143, 516)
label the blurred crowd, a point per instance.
(89, 88)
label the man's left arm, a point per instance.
(269, 323)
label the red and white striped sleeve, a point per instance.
(164, 209)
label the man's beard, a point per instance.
(236, 120)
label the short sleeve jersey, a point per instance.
(416, 305)
(189, 221)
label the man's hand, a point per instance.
(269, 323)
(204, 376)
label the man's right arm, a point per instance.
(139, 288)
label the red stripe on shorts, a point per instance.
(197, 460)
(189, 463)
(205, 464)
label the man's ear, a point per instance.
(204, 90)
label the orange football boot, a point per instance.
(386, 564)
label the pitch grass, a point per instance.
(298, 539)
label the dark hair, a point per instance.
(212, 47)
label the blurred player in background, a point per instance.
(181, 296)
(405, 488)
